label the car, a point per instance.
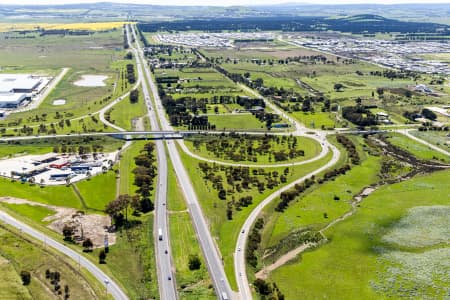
(243, 230)
(239, 248)
(169, 278)
(165, 251)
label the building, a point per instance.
(60, 176)
(12, 100)
(19, 83)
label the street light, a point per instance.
(106, 281)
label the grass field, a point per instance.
(98, 54)
(53, 195)
(18, 253)
(316, 120)
(126, 167)
(417, 149)
(198, 146)
(438, 138)
(307, 212)
(132, 259)
(191, 284)
(123, 113)
(236, 122)
(11, 286)
(357, 264)
(8, 150)
(33, 212)
(98, 191)
(226, 231)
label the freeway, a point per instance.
(166, 278)
(209, 249)
(112, 287)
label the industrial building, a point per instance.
(16, 88)
(12, 100)
(19, 83)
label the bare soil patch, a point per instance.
(93, 226)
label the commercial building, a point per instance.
(12, 100)
(19, 83)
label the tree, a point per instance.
(102, 257)
(194, 262)
(87, 245)
(338, 86)
(429, 114)
(26, 277)
(67, 232)
(117, 206)
(380, 92)
(262, 287)
(147, 205)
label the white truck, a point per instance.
(160, 235)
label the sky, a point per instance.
(220, 3)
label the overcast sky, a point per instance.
(220, 3)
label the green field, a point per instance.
(126, 166)
(438, 138)
(307, 212)
(240, 146)
(96, 54)
(52, 195)
(193, 284)
(18, 253)
(125, 114)
(98, 191)
(417, 149)
(226, 231)
(358, 261)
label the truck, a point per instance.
(160, 235)
(225, 296)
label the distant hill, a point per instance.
(365, 23)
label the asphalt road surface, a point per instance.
(211, 253)
(166, 278)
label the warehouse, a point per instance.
(19, 83)
(12, 100)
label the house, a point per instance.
(422, 88)
(383, 118)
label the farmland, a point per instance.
(97, 26)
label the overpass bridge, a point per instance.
(174, 135)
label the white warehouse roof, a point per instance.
(11, 82)
(8, 99)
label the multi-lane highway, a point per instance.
(209, 249)
(111, 286)
(166, 278)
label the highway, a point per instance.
(111, 285)
(166, 279)
(209, 249)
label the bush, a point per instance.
(26, 277)
(194, 262)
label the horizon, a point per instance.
(244, 3)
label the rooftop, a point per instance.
(11, 82)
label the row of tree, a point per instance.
(350, 147)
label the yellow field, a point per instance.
(5, 27)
